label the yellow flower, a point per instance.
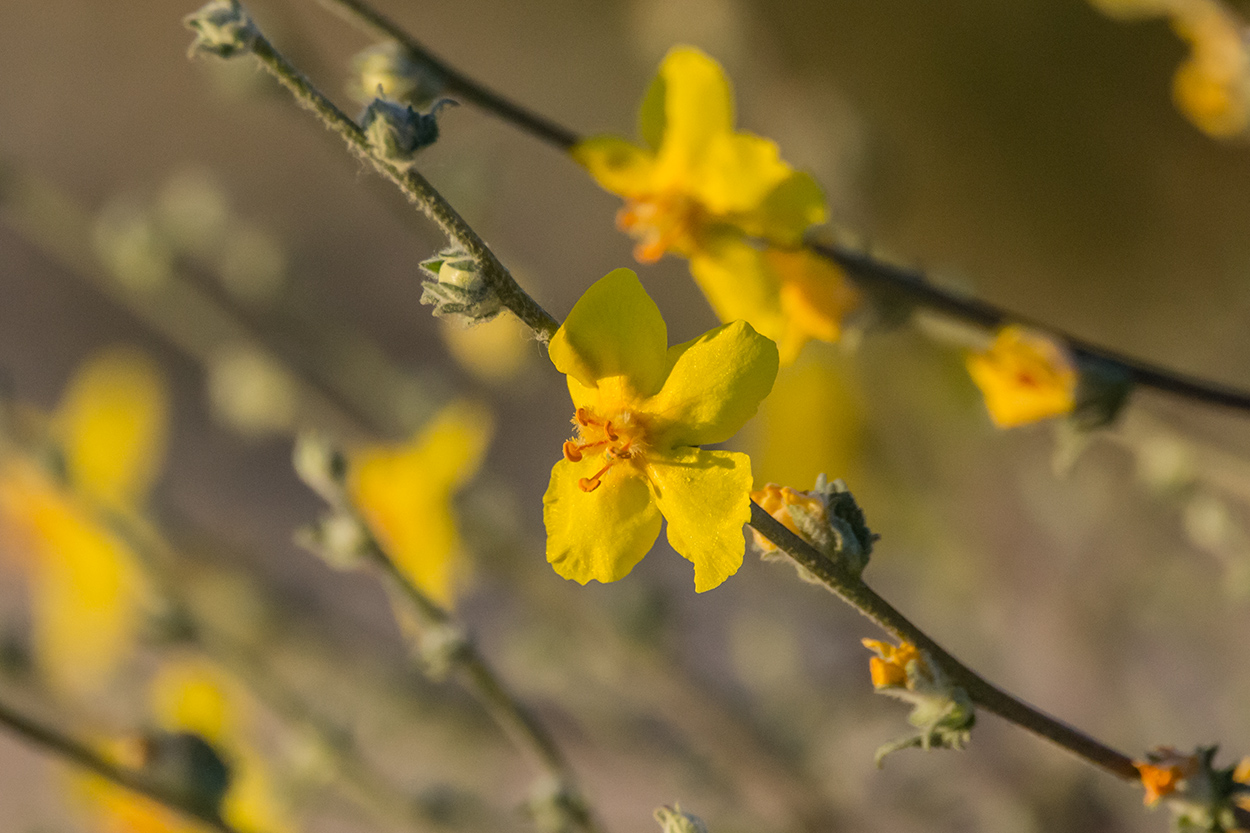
(1164, 772)
(1024, 376)
(889, 667)
(88, 590)
(642, 411)
(404, 494)
(700, 189)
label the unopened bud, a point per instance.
(396, 132)
(222, 28)
(321, 465)
(386, 70)
(459, 290)
(673, 820)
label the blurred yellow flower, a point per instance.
(404, 494)
(700, 189)
(88, 591)
(1164, 772)
(1025, 377)
(642, 411)
(1212, 86)
(889, 669)
(193, 696)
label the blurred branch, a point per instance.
(415, 186)
(448, 644)
(80, 754)
(452, 80)
(867, 271)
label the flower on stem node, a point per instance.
(1200, 796)
(458, 290)
(642, 411)
(387, 70)
(827, 517)
(942, 711)
(1025, 376)
(396, 132)
(222, 28)
(725, 199)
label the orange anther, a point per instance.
(587, 484)
(607, 427)
(572, 452)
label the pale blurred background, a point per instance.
(1027, 152)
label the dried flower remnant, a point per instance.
(1025, 376)
(642, 409)
(727, 201)
(1164, 772)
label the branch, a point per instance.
(862, 267)
(81, 755)
(415, 187)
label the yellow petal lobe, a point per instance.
(704, 496)
(1024, 376)
(716, 384)
(598, 535)
(112, 423)
(615, 329)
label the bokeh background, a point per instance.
(1027, 152)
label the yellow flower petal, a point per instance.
(782, 217)
(598, 535)
(698, 107)
(716, 384)
(614, 330)
(404, 493)
(88, 596)
(815, 299)
(651, 115)
(617, 165)
(191, 696)
(704, 496)
(737, 171)
(112, 422)
(739, 285)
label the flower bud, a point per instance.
(222, 28)
(321, 465)
(458, 289)
(386, 70)
(673, 820)
(396, 132)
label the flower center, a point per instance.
(660, 222)
(622, 437)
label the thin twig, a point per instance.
(452, 81)
(415, 187)
(862, 267)
(81, 755)
(477, 676)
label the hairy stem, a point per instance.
(415, 187)
(852, 590)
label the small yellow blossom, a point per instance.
(776, 500)
(404, 494)
(87, 588)
(1024, 376)
(700, 189)
(1212, 86)
(1165, 771)
(642, 411)
(889, 667)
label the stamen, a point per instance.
(571, 452)
(589, 484)
(607, 427)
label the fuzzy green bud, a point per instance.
(673, 820)
(396, 132)
(458, 289)
(386, 70)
